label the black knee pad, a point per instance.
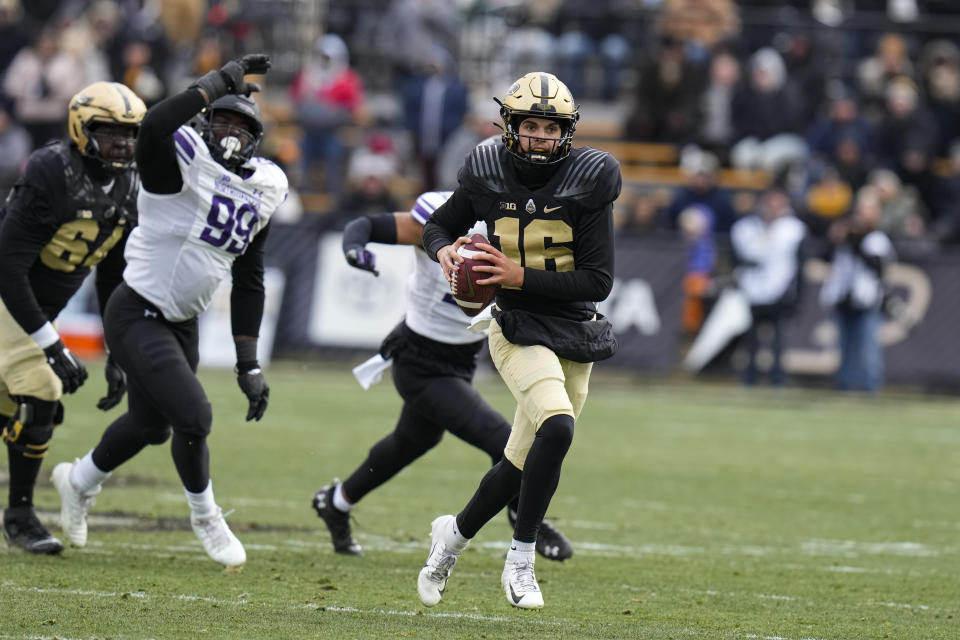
(157, 435)
(197, 422)
(30, 430)
(557, 431)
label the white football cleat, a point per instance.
(520, 584)
(73, 504)
(432, 580)
(218, 540)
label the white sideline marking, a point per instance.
(57, 637)
(854, 548)
(590, 524)
(431, 614)
(842, 548)
(753, 635)
(900, 605)
(114, 594)
(242, 601)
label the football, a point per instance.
(472, 298)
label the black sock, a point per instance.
(498, 487)
(192, 459)
(541, 474)
(23, 477)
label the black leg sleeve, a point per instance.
(390, 455)
(131, 432)
(498, 487)
(191, 456)
(541, 474)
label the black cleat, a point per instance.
(551, 543)
(337, 521)
(22, 530)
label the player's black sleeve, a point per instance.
(247, 293)
(155, 151)
(110, 272)
(450, 221)
(28, 225)
(592, 277)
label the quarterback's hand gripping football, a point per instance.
(501, 270)
(67, 366)
(255, 387)
(449, 259)
(361, 258)
(116, 385)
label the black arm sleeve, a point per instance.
(20, 244)
(110, 273)
(155, 151)
(592, 277)
(29, 224)
(247, 293)
(450, 221)
(380, 227)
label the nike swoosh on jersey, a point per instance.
(551, 209)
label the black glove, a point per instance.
(116, 385)
(255, 387)
(66, 365)
(229, 78)
(360, 258)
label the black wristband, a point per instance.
(246, 355)
(214, 85)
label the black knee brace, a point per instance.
(30, 430)
(157, 435)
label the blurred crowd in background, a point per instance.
(832, 112)
(840, 103)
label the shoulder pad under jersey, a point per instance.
(591, 176)
(270, 174)
(483, 169)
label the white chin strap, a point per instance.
(230, 146)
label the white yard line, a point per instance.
(848, 549)
(758, 637)
(7, 586)
(430, 614)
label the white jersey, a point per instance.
(431, 310)
(185, 243)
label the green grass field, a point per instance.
(696, 511)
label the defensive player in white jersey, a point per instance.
(434, 357)
(204, 206)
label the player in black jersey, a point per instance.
(548, 209)
(434, 356)
(72, 208)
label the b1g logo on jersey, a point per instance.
(508, 206)
(229, 222)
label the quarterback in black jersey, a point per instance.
(548, 209)
(72, 209)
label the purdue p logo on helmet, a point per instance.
(103, 103)
(538, 95)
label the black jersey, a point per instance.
(560, 232)
(57, 223)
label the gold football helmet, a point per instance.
(105, 103)
(538, 95)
